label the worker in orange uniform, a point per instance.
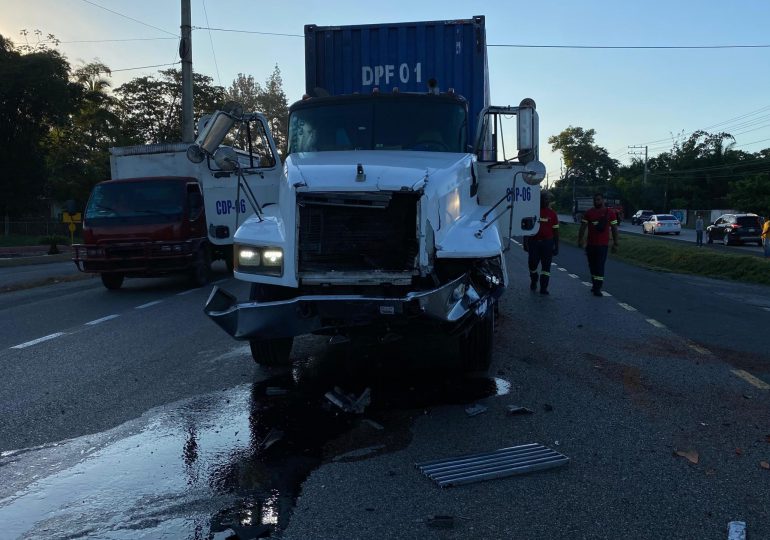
(543, 246)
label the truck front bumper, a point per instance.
(448, 303)
(135, 258)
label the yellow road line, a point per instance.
(751, 379)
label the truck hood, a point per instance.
(384, 170)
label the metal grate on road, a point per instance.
(488, 465)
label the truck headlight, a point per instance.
(272, 257)
(259, 260)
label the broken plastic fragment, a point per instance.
(690, 455)
(476, 408)
(348, 402)
(517, 409)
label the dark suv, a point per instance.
(735, 229)
(641, 216)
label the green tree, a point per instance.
(588, 165)
(36, 96)
(751, 194)
(269, 99)
(150, 108)
(78, 154)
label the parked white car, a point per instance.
(662, 224)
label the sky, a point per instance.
(629, 96)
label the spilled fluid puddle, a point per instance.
(234, 459)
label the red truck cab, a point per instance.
(144, 227)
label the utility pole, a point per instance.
(644, 179)
(185, 54)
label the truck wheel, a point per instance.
(476, 344)
(201, 271)
(276, 351)
(112, 281)
(272, 352)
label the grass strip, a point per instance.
(682, 258)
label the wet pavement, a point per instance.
(228, 460)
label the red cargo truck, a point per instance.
(143, 227)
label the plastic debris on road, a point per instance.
(475, 409)
(517, 409)
(348, 402)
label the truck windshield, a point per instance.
(398, 124)
(135, 199)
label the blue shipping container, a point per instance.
(349, 59)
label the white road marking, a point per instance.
(751, 379)
(656, 323)
(38, 340)
(766, 308)
(562, 269)
(587, 284)
(697, 348)
(188, 291)
(605, 293)
(103, 319)
(736, 530)
(574, 276)
(626, 306)
(148, 304)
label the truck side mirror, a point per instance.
(534, 172)
(525, 123)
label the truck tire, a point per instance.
(272, 352)
(276, 351)
(475, 346)
(201, 270)
(112, 281)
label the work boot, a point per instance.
(532, 281)
(597, 288)
(544, 279)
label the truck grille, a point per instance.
(357, 231)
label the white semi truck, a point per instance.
(395, 203)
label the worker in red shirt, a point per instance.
(543, 246)
(599, 221)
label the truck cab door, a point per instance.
(507, 171)
(229, 197)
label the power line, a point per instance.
(525, 46)
(211, 40)
(114, 40)
(244, 31)
(722, 123)
(144, 67)
(129, 18)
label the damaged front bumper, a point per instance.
(449, 303)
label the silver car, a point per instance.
(662, 224)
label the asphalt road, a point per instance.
(139, 416)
